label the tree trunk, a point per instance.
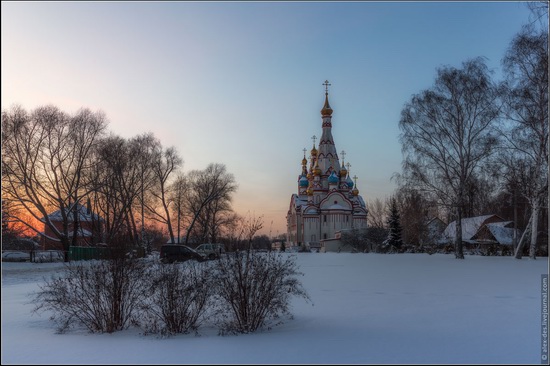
(519, 248)
(534, 229)
(459, 253)
(515, 204)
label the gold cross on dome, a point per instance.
(355, 178)
(326, 84)
(304, 150)
(314, 138)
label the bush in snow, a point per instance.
(254, 289)
(103, 296)
(179, 294)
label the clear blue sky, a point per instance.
(239, 83)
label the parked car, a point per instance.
(170, 253)
(49, 256)
(16, 257)
(211, 251)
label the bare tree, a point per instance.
(209, 190)
(377, 213)
(144, 147)
(117, 187)
(447, 134)
(526, 108)
(415, 214)
(45, 160)
(178, 193)
(166, 165)
(539, 13)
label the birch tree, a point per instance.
(446, 134)
(526, 129)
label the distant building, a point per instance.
(328, 200)
(435, 228)
(89, 227)
(487, 229)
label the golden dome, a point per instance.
(326, 111)
(343, 172)
(314, 151)
(316, 169)
(309, 191)
(304, 161)
(355, 191)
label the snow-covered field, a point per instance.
(368, 308)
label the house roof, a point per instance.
(503, 235)
(475, 230)
(82, 211)
(470, 227)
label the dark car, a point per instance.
(178, 253)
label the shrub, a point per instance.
(254, 289)
(179, 297)
(103, 296)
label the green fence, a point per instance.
(87, 253)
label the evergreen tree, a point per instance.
(394, 225)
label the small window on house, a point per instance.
(324, 236)
(324, 218)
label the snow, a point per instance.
(83, 214)
(367, 308)
(470, 226)
(503, 235)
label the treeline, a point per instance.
(54, 161)
(473, 145)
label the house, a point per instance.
(435, 228)
(88, 232)
(481, 230)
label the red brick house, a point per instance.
(88, 233)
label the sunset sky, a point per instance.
(240, 83)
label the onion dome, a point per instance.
(355, 191)
(343, 171)
(310, 176)
(333, 178)
(304, 182)
(304, 161)
(349, 182)
(326, 111)
(314, 151)
(317, 170)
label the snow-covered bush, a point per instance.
(179, 294)
(102, 296)
(254, 289)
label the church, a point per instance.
(328, 201)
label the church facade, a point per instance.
(328, 200)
